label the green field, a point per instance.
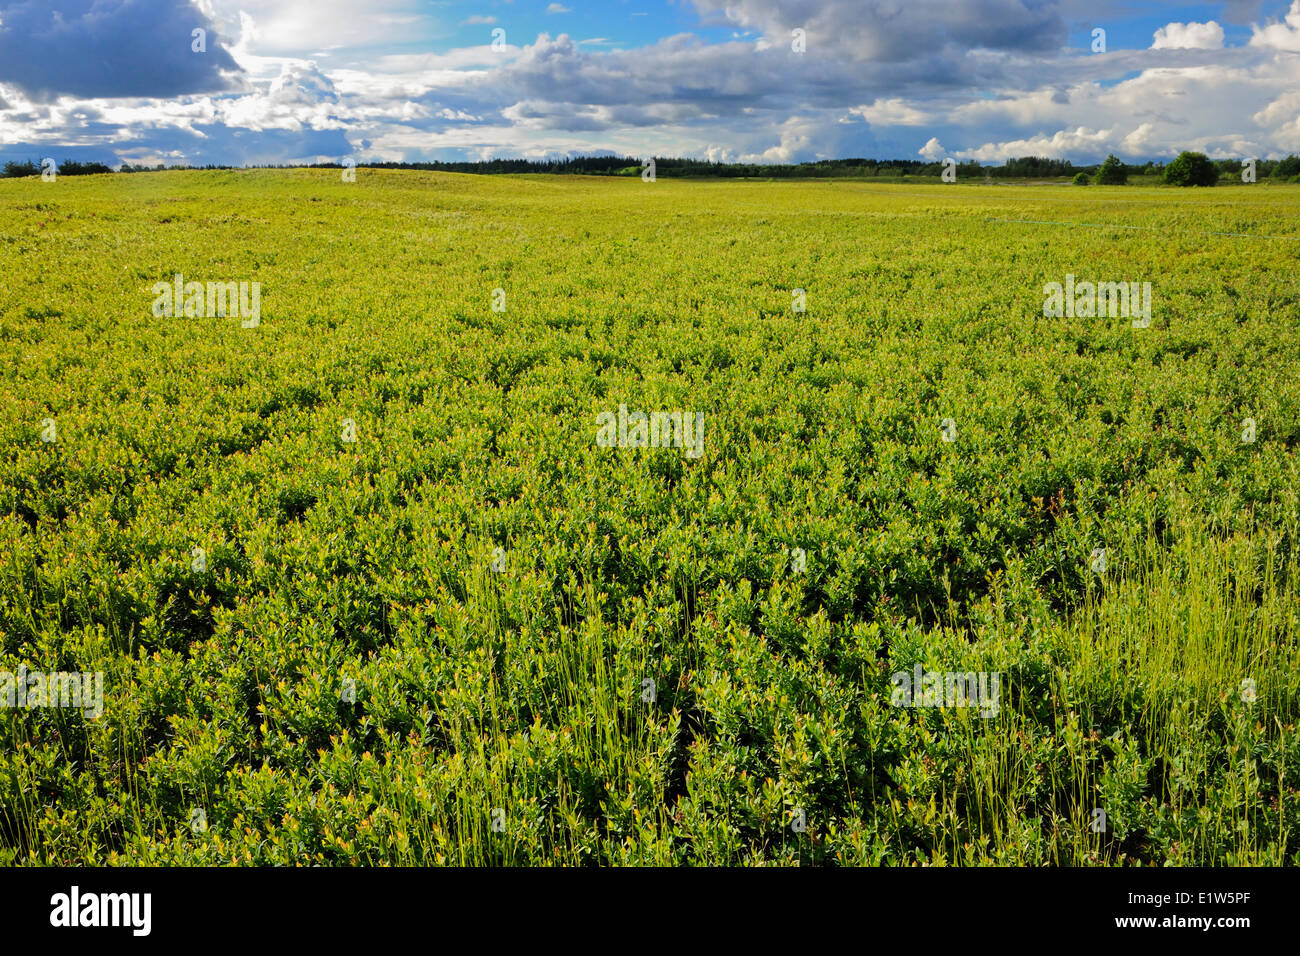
(475, 635)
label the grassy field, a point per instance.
(476, 634)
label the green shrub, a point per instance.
(1191, 169)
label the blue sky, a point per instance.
(317, 80)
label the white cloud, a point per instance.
(298, 27)
(797, 134)
(1283, 117)
(1063, 144)
(1142, 141)
(558, 8)
(891, 112)
(1188, 36)
(1280, 36)
(933, 150)
(301, 96)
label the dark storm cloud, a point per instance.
(553, 84)
(899, 30)
(109, 48)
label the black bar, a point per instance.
(333, 906)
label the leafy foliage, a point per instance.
(1112, 172)
(68, 167)
(1191, 169)
(370, 565)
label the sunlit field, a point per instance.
(385, 566)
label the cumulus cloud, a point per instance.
(1280, 36)
(1282, 116)
(891, 112)
(798, 136)
(1188, 36)
(1230, 109)
(932, 150)
(1062, 143)
(300, 97)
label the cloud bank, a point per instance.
(748, 80)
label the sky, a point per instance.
(761, 81)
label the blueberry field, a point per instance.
(429, 518)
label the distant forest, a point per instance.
(1025, 167)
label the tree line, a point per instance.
(1188, 169)
(68, 167)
